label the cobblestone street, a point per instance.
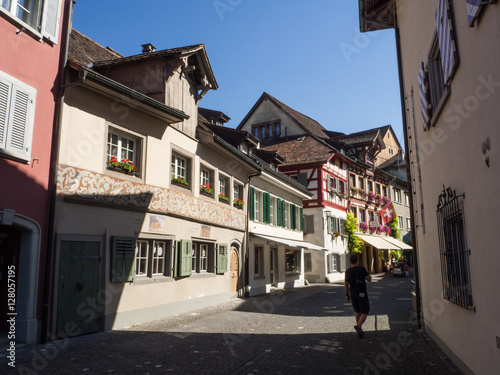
(298, 331)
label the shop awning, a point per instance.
(397, 242)
(378, 242)
(291, 243)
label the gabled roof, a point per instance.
(302, 150)
(306, 123)
(395, 162)
(365, 136)
(233, 136)
(84, 51)
(213, 116)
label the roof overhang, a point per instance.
(116, 91)
(376, 15)
(289, 242)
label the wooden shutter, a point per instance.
(343, 262)
(302, 178)
(446, 38)
(301, 211)
(252, 203)
(5, 94)
(51, 20)
(293, 217)
(328, 182)
(342, 226)
(309, 224)
(122, 259)
(222, 257)
(267, 207)
(422, 90)
(473, 9)
(279, 204)
(185, 258)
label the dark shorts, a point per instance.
(361, 304)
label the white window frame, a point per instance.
(407, 198)
(203, 257)
(47, 19)
(17, 113)
(400, 222)
(179, 167)
(286, 221)
(152, 262)
(133, 154)
(408, 223)
(397, 195)
(257, 206)
(205, 176)
(272, 210)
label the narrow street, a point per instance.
(299, 331)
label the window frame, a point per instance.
(295, 269)
(188, 169)
(202, 263)
(149, 264)
(397, 195)
(137, 151)
(258, 256)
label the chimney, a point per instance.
(148, 48)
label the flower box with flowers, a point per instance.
(179, 181)
(206, 190)
(223, 198)
(125, 165)
(386, 200)
(238, 203)
(363, 226)
(371, 196)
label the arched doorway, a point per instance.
(234, 270)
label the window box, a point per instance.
(223, 198)
(125, 165)
(206, 190)
(238, 203)
(180, 182)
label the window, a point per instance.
(286, 221)
(354, 211)
(181, 170)
(272, 208)
(277, 128)
(397, 195)
(238, 191)
(257, 206)
(407, 199)
(377, 189)
(256, 132)
(408, 224)
(361, 216)
(270, 130)
(370, 185)
(267, 130)
(371, 217)
(258, 259)
(384, 191)
(123, 152)
(400, 222)
(336, 224)
(333, 262)
(17, 110)
(352, 180)
(361, 183)
(152, 258)
(292, 261)
(202, 257)
(454, 252)
(224, 189)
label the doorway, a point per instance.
(10, 247)
(273, 266)
(234, 272)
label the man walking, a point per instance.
(356, 277)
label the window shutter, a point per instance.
(267, 209)
(328, 183)
(309, 224)
(343, 262)
(293, 217)
(222, 258)
(302, 178)
(342, 226)
(252, 203)
(422, 90)
(5, 93)
(473, 8)
(51, 20)
(175, 267)
(329, 224)
(444, 29)
(122, 259)
(185, 258)
(301, 211)
(280, 212)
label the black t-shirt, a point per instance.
(355, 276)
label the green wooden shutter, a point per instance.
(293, 224)
(222, 258)
(185, 258)
(175, 267)
(267, 208)
(280, 212)
(301, 219)
(122, 259)
(252, 203)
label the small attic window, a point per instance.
(300, 139)
(244, 148)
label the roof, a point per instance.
(395, 162)
(216, 116)
(84, 51)
(365, 136)
(233, 136)
(302, 150)
(376, 15)
(309, 125)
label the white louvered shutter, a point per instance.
(51, 20)
(447, 49)
(473, 8)
(5, 94)
(422, 90)
(20, 128)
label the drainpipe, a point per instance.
(408, 175)
(56, 135)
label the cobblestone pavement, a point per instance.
(306, 330)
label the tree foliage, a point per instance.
(354, 243)
(395, 231)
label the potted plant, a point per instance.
(363, 226)
(206, 190)
(124, 165)
(386, 200)
(371, 196)
(180, 181)
(238, 203)
(354, 190)
(223, 197)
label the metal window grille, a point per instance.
(454, 254)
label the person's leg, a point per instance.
(357, 318)
(361, 319)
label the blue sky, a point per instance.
(309, 55)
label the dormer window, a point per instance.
(244, 148)
(268, 130)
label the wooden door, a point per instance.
(78, 299)
(234, 272)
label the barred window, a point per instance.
(453, 249)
